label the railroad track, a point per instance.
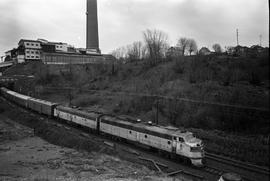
(209, 169)
(214, 171)
(239, 164)
(236, 163)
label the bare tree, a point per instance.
(120, 53)
(144, 51)
(182, 44)
(217, 48)
(191, 46)
(135, 51)
(156, 43)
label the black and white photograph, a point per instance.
(134, 90)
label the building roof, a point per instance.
(12, 50)
(24, 40)
(59, 43)
(42, 40)
(204, 49)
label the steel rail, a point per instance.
(239, 164)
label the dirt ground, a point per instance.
(24, 156)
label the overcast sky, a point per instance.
(122, 21)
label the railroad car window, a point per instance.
(169, 142)
(181, 139)
(145, 136)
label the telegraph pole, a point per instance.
(157, 111)
(260, 40)
(237, 37)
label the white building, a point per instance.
(31, 49)
(61, 47)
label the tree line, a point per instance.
(154, 48)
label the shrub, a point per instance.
(179, 66)
(85, 100)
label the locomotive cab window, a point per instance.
(181, 139)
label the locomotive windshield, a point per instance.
(189, 137)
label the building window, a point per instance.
(32, 44)
(174, 138)
(32, 52)
(27, 52)
(37, 57)
(27, 43)
(27, 56)
(32, 57)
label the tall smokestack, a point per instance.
(92, 40)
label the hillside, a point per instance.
(194, 93)
(217, 79)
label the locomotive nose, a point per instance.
(197, 163)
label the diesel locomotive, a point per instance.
(170, 140)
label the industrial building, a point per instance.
(53, 53)
(62, 53)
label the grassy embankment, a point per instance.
(238, 81)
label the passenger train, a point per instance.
(165, 139)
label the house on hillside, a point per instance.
(204, 51)
(241, 51)
(174, 52)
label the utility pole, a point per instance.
(260, 40)
(69, 91)
(237, 36)
(157, 111)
